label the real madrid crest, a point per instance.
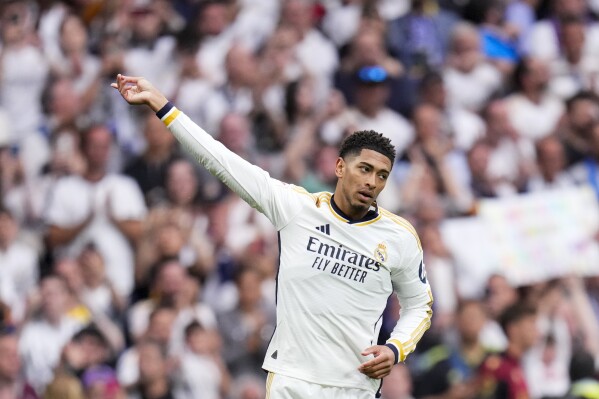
(380, 253)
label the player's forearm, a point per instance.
(247, 180)
(414, 321)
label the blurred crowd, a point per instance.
(126, 271)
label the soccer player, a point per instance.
(341, 256)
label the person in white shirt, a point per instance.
(469, 78)
(341, 256)
(533, 111)
(99, 207)
(371, 111)
(18, 266)
(43, 339)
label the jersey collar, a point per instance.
(371, 216)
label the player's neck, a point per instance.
(344, 207)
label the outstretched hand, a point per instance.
(137, 90)
(381, 365)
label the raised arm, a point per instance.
(278, 201)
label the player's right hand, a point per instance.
(138, 90)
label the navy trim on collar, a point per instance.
(370, 215)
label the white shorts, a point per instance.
(282, 387)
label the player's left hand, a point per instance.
(381, 365)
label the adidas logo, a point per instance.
(324, 229)
(274, 355)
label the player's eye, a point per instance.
(365, 169)
(383, 177)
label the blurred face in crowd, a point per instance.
(427, 122)
(65, 102)
(96, 147)
(466, 48)
(161, 325)
(170, 240)
(361, 178)
(498, 121)
(582, 115)
(304, 97)
(8, 229)
(367, 48)
(200, 340)
(158, 138)
(170, 281)
(70, 271)
(241, 66)
(10, 362)
(145, 23)
(213, 19)
(524, 332)
(435, 93)
(280, 46)
(551, 157)
(325, 159)
(15, 22)
(430, 209)
(152, 363)
(572, 38)
(235, 133)
(54, 297)
(95, 350)
(500, 295)
(92, 268)
(371, 98)
(471, 320)
(298, 15)
(181, 183)
(478, 160)
(536, 77)
(570, 8)
(73, 35)
(248, 287)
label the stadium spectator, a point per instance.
(247, 328)
(463, 126)
(552, 171)
(24, 72)
(543, 39)
(110, 216)
(19, 271)
(154, 374)
(586, 170)
(469, 78)
(420, 39)
(582, 113)
(533, 111)
(573, 70)
(43, 337)
(149, 169)
(12, 383)
(502, 376)
(203, 371)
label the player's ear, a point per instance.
(340, 167)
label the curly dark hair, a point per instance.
(367, 140)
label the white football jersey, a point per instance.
(335, 275)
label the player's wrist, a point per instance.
(395, 352)
(162, 111)
(157, 101)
